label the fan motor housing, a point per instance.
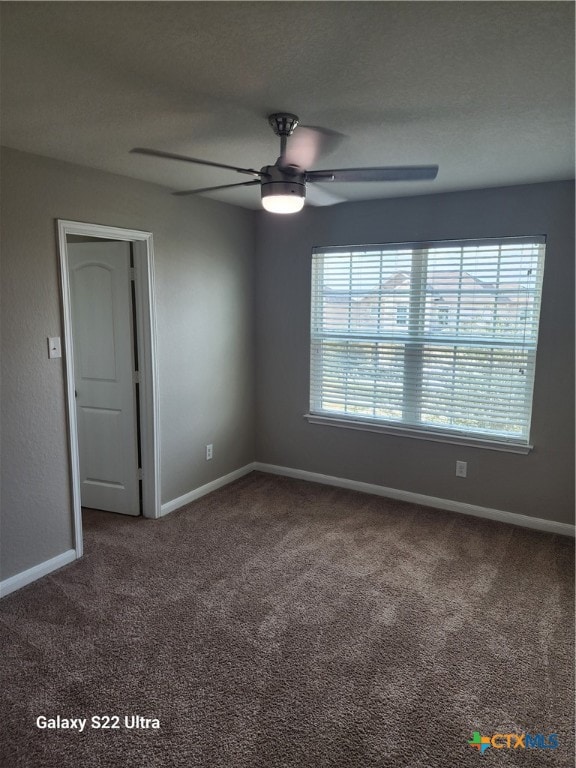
(282, 181)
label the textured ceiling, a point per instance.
(483, 89)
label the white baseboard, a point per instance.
(549, 526)
(36, 572)
(197, 493)
(539, 524)
(43, 569)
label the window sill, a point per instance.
(420, 434)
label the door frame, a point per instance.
(143, 250)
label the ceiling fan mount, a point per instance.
(283, 185)
(283, 123)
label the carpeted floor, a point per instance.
(277, 624)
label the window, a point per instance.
(443, 315)
(402, 314)
(435, 339)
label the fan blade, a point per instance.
(185, 159)
(318, 196)
(185, 192)
(308, 143)
(393, 173)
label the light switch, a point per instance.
(54, 348)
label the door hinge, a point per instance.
(136, 377)
(140, 474)
(132, 273)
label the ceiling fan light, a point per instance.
(282, 203)
(281, 195)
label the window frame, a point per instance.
(424, 431)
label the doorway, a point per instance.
(110, 341)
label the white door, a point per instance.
(102, 331)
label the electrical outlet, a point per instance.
(209, 451)
(461, 468)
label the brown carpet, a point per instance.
(278, 623)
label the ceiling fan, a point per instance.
(283, 185)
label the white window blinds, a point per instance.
(437, 336)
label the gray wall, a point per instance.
(204, 278)
(205, 275)
(540, 484)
